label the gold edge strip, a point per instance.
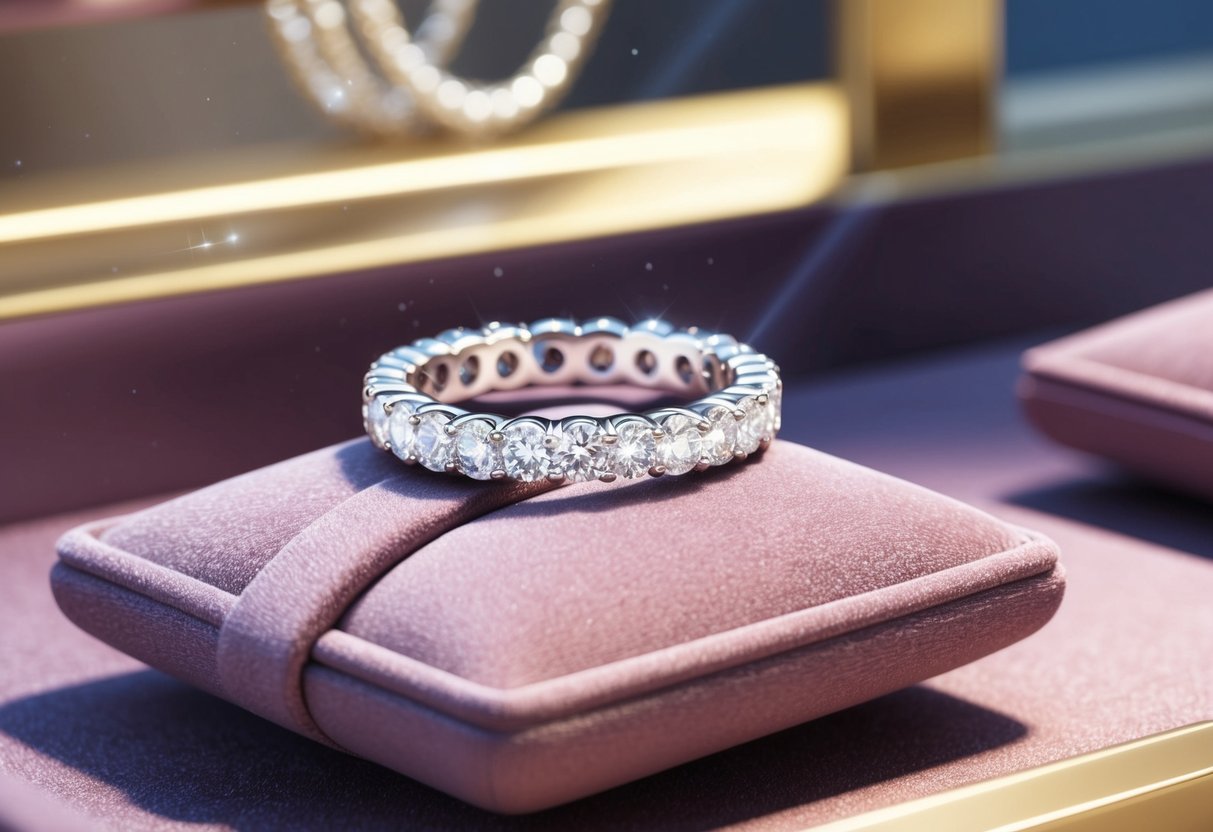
(395, 179)
(403, 177)
(693, 161)
(356, 257)
(1004, 804)
(1109, 800)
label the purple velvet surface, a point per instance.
(132, 748)
(1138, 390)
(589, 575)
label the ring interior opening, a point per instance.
(675, 366)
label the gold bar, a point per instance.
(922, 77)
(1164, 781)
(302, 212)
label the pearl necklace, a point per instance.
(405, 86)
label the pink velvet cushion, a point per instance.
(523, 646)
(1138, 390)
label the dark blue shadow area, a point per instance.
(1047, 34)
(1130, 507)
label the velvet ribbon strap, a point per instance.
(265, 642)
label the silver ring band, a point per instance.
(408, 398)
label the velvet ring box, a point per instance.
(1138, 390)
(522, 646)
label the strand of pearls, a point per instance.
(328, 64)
(378, 77)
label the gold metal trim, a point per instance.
(922, 77)
(1164, 781)
(126, 235)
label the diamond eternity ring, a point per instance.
(408, 398)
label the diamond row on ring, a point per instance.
(404, 409)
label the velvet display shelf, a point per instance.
(1138, 390)
(100, 733)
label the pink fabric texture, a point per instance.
(521, 647)
(24, 807)
(1125, 656)
(1138, 390)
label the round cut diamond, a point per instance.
(679, 449)
(478, 455)
(774, 411)
(720, 439)
(400, 430)
(375, 419)
(635, 450)
(525, 455)
(752, 427)
(432, 443)
(581, 455)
